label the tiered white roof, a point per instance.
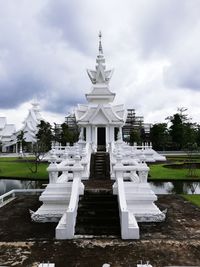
(6, 131)
(100, 110)
(31, 122)
(2, 123)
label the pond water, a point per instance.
(176, 187)
(7, 185)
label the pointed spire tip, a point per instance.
(100, 45)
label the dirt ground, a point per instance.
(173, 242)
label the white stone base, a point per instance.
(157, 217)
(55, 198)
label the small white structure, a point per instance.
(46, 265)
(7, 132)
(31, 122)
(144, 265)
(100, 120)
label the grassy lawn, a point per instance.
(194, 199)
(159, 171)
(18, 168)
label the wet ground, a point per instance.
(173, 242)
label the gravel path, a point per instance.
(173, 242)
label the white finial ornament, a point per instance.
(100, 75)
(100, 45)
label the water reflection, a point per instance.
(7, 185)
(176, 187)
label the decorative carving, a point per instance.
(143, 176)
(147, 217)
(48, 217)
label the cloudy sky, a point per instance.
(46, 45)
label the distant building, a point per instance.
(135, 123)
(30, 123)
(70, 120)
(7, 135)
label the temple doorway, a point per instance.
(101, 139)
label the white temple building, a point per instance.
(100, 118)
(99, 168)
(8, 133)
(31, 122)
(7, 138)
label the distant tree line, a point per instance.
(182, 133)
(47, 134)
(177, 133)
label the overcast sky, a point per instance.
(46, 46)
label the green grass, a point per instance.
(17, 168)
(183, 158)
(194, 199)
(158, 171)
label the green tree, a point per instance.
(198, 135)
(182, 130)
(134, 137)
(159, 136)
(176, 131)
(41, 146)
(68, 135)
(20, 138)
(189, 134)
(44, 136)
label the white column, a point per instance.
(82, 133)
(88, 134)
(120, 130)
(16, 150)
(112, 137)
(95, 135)
(107, 135)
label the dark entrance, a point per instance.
(101, 139)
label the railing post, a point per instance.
(52, 169)
(119, 173)
(143, 174)
(13, 193)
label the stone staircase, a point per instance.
(98, 213)
(100, 166)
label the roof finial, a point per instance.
(100, 45)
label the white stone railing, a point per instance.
(66, 226)
(139, 172)
(123, 212)
(129, 226)
(136, 172)
(137, 152)
(67, 166)
(12, 193)
(67, 160)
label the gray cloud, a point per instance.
(45, 47)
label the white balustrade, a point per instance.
(129, 226)
(12, 193)
(66, 226)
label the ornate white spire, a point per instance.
(100, 45)
(100, 75)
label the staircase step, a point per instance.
(98, 231)
(98, 213)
